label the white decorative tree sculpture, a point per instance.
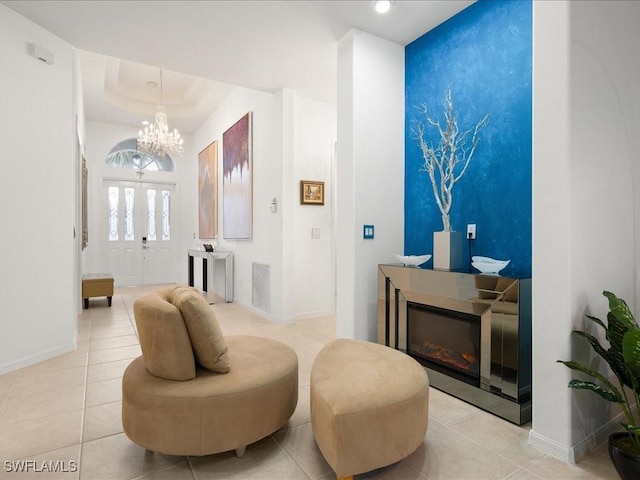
(447, 162)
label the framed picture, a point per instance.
(311, 193)
(208, 191)
(85, 217)
(237, 180)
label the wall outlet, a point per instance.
(471, 231)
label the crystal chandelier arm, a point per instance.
(157, 139)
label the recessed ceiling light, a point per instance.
(145, 122)
(382, 6)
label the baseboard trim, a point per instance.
(599, 436)
(551, 447)
(262, 313)
(283, 321)
(308, 315)
(577, 452)
(37, 358)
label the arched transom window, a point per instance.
(126, 155)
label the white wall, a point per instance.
(370, 174)
(585, 205)
(292, 137)
(552, 209)
(292, 140)
(38, 297)
(100, 139)
(265, 245)
(80, 126)
(314, 263)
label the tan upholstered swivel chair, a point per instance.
(196, 392)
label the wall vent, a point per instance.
(261, 286)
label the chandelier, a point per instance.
(156, 139)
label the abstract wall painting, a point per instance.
(237, 178)
(208, 191)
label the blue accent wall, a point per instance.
(484, 54)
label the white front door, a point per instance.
(140, 234)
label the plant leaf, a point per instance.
(631, 351)
(633, 429)
(603, 392)
(615, 334)
(573, 365)
(597, 320)
(595, 344)
(611, 393)
(621, 311)
(616, 330)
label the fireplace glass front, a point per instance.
(445, 340)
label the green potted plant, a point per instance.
(623, 357)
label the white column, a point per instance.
(370, 174)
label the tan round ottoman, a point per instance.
(369, 405)
(213, 412)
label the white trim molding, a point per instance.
(575, 453)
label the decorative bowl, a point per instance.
(488, 265)
(413, 260)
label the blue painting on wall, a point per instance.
(484, 56)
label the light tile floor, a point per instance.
(65, 412)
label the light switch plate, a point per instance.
(367, 232)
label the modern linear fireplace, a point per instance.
(471, 332)
(445, 340)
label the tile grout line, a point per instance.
(288, 454)
(403, 462)
(13, 387)
(21, 375)
(193, 472)
(84, 403)
(518, 467)
(86, 385)
(546, 456)
(523, 470)
(82, 414)
(166, 468)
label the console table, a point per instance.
(217, 274)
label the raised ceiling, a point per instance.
(263, 45)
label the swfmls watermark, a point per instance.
(44, 466)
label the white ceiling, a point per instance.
(263, 45)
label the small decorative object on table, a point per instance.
(488, 265)
(446, 163)
(413, 260)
